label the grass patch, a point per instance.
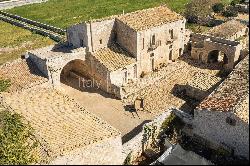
(67, 12)
(15, 41)
(15, 144)
(4, 85)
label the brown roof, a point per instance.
(232, 93)
(144, 19)
(114, 57)
(59, 123)
(227, 29)
(22, 74)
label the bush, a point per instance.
(15, 140)
(234, 2)
(4, 84)
(218, 7)
(230, 12)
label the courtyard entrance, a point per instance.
(217, 56)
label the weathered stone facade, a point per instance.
(223, 117)
(144, 41)
(221, 44)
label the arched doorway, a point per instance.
(74, 73)
(217, 56)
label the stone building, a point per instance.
(221, 44)
(223, 117)
(118, 49)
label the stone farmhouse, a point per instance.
(222, 119)
(116, 50)
(222, 44)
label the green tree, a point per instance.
(199, 11)
(218, 7)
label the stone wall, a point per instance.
(202, 45)
(15, 3)
(77, 35)
(126, 37)
(143, 140)
(151, 55)
(107, 152)
(217, 131)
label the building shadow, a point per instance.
(134, 132)
(33, 68)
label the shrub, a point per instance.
(4, 84)
(230, 12)
(218, 7)
(128, 160)
(234, 2)
(15, 140)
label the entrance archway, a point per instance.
(74, 72)
(217, 56)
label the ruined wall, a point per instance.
(107, 152)
(101, 33)
(219, 132)
(40, 63)
(143, 140)
(77, 35)
(126, 37)
(168, 38)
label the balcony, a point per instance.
(152, 47)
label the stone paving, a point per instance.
(159, 96)
(60, 124)
(23, 74)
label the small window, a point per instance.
(231, 121)
(171, 33)
(143, 43)
(100, 41)
(152, 55)
(153, 40)
(181, 28)
(171, 46)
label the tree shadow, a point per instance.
(134, 132)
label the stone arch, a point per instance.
(217, 56)
(74, 70)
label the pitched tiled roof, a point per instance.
(232, 93)
(144, 19)
(114, 57)
(227, 29)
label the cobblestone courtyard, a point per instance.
(157, 97)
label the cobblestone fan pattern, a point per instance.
(232, 91)
(114, 57)
(140, 20)
(60, 124)
(23, 74)
(158, 95)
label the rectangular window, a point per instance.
(100, 41)
(153, 40)
(171, 33)
(143, 43)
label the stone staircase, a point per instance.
(56, 34)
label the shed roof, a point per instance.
(114, 57)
